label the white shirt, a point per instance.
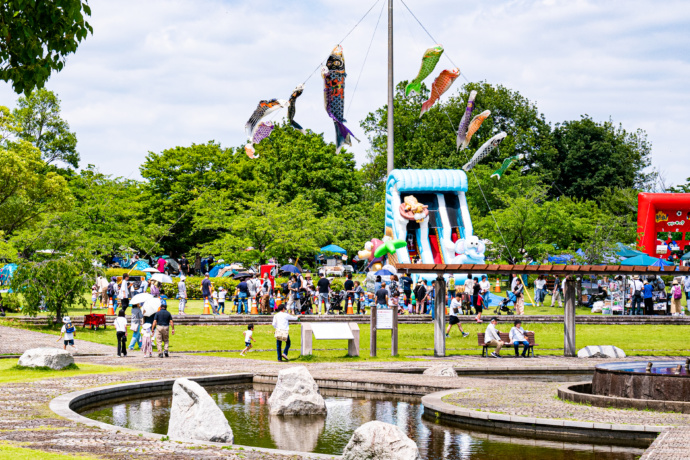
(517, 334)
(124, 292)
(120, 324)
(469, 285)
(248, 335)
(539, 284)
(455, 305)
(281, 320)
(252, 286)
(513, 283)
(68, 335)
(485, 285)
(146, 330)
(491, 334)
(221, 295)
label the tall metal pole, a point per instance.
(391, 88)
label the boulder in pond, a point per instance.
(441, 371)
(53, 358)
(296, 393)
(195, 415)
(380, 441)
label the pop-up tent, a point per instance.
(7, 272)
(333, 248)
(625, 252)
(645, 261)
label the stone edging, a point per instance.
(436, 408)
(582, 393)
(65, 406)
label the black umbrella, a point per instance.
(240, 276)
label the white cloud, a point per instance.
(157, 74)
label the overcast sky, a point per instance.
(158, 74)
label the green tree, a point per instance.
(265, 229)
(590, 157)
(56, 280)
(39, 122)
(27, 192)
(682, 188)
(37, 37)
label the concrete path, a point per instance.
(14, 341)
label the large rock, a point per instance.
(53, 358)
(601, 351)
(194, 415)
(299, 434)
(441, 371)
(296, 393)
(380, 441)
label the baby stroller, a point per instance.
(503, 305)
(336, 299)
(305, 302)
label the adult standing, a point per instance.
(266, 295)
(143, 286)
(155, 290)
(182, 294)
(468, 291)
(102, 285)
(382, 296)
(349, 287)
(163, 323)
(254, 290)
(113, 290)
(184, 265)
(123, 294)
(539, 291)
(519, 292)
(477, 300)
(206, 289)
(676, 296)
(120, 324)
(406, 284)
(324, 287)
(281, 324)
(557, 293)
(160, 264)
(420, 294)
(636, 292)
(686, 285)
(136, 321)
(295, 287)
(484, 290)
(647, 289)
(242, 294)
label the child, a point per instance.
(455, 310)
(248, 339)
(214, 301)
(94, 296)
(146, 344)
(68, 330)
(394, 301)
(359, 294)
(221, 299)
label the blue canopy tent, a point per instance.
(561, 259)
(644, 260)
(625, 252)
(216, 268)
(140, 265)
(333, 248)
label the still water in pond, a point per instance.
(246, 408)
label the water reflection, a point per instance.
(246, 408)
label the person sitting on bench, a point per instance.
(493, 339)
(517, 338)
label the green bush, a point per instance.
(110, 272)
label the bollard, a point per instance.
(350, 311)
(110, 306)
(254, 310)
(498, 285)
(207, 309)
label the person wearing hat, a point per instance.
(676, 297)
(636, 288)
(647, 290)
(182, 295)
(164, 326)
(68, 331)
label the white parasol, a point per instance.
(151, 306)
(162, 278)
(150, 270)
(139, 298)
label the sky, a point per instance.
(160, 74)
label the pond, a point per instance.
(246, 408)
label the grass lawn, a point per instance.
(12, 451)
(415, 339)
(10, 374)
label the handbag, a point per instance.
(281, 334)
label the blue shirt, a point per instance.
(647, 291)
(243, 287)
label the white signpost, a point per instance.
(330, 331)
(384, 319)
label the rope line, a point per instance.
(376, 28)
(432, 38)
(505, 243)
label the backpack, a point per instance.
(284, 288)
(69, 328)
(111, 289)
(677, 292)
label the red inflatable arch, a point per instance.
(662, 212)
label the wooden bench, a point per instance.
(505, 337)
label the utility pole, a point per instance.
(391, 88)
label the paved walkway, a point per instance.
(16, 341)
(26, 418)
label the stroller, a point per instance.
(503, 305)
(306, 303)
(336, 299)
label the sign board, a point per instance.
(384, 318)
(332, 331)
